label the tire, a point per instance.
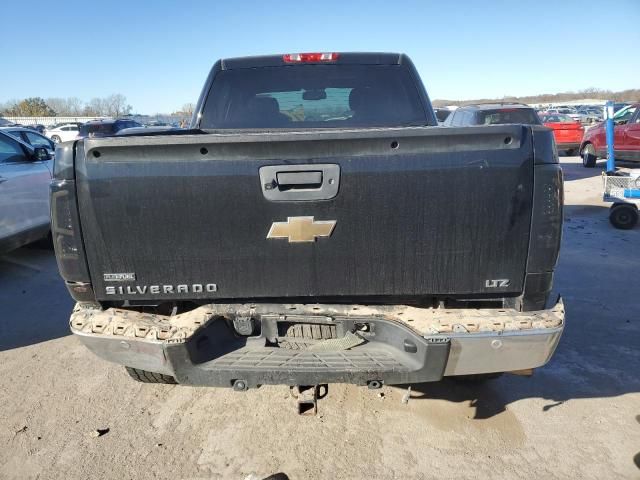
(56, 139)
(571, 152)
(150, 377)
(589, 156)
(623, 216)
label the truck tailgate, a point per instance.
(411, 212)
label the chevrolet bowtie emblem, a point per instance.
(301, 229)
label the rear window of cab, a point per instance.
(313, 96)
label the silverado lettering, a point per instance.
(142, 289)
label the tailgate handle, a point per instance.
(282, 183)
(309, 179)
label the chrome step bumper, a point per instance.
(400, 344)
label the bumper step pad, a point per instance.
(372, 360)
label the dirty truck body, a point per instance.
(314, 225)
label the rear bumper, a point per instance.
(393, 345)
(568, 145)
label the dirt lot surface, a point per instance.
(578, 417)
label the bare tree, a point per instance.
(8, 105)
(116, 105)
(187, 109)
(59, 105)
(631, 95)
(74, 106)
(95, 107)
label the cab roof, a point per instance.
(368, 58)
(495, 105)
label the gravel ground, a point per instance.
(66, 414)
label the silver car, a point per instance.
(25, 174)
(31, 137)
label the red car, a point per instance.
(626, 138)
(567, 131)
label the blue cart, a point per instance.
(622, 189)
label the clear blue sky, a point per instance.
(158, 53)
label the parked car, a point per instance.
(620, 105)
(563, 110)
(493, 114)
(626, 138)
(593, 110)
(624, 113)
(62, 124)
(587, 116)
(243, 258)
(31, 137)
(582, 118)
(37, 127)
(575, 113)
(25, 175)
(567, 131)
(441, 114)
(62, 133)
(145, 130)
(105, 128)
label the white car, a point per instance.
(563, 110)
(62, 133)
(25, 174)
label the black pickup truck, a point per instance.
(313, 225)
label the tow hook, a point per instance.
(307, 397)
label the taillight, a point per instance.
(546, 235)
(546, 220)
(309, 57)
(545, 150)
(65, 228)
(66, 239)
